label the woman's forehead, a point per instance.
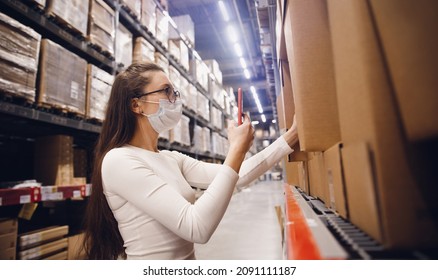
(159, 78)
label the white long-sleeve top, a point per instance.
(152, 199)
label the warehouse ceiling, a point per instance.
(212, 41)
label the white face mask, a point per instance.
(167, 116)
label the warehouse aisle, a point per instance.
(249, 229)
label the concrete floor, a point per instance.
(250, 228)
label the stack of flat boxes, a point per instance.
(74, 13)
(364, 97)
(143, 50)
(19, 52)
(8, 238)
(98, 92)
(47, 244)
(101, 26)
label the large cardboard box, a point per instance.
(75, 248)
(134, 6)
(143, 50)
(99, 85)
(408, 33)
(101, 26)
(62, 86)
(310, 58)
(124, 46)
(185, 25)
(148, 16)
(291, 170)
(8, 225)
(54, 160)
(73, 12)
(336, 199)
(19, 51)
(317, 177)
(303, 177)
(400, 217)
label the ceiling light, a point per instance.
(243, 62)
(246, 73)
(224, 10)
(252, 88)
(274, 121)
(255, 122)
(238, 50)
(232, 34)
(263, 118)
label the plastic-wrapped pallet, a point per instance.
(101, 29)
(174, 77)
(183, 55)
(184, 89)
(143, 50)
(185, 130)
(206, 139)
(148, 16)
(98, 92)
(197, 137)
(134, 6)
(73, 12)
(203, 107)
(62, 86)
(192, 100)
(184, 24)
(123, 46)
(162, 28)
(19, 51)
(162, 61)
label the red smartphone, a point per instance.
(239, 106)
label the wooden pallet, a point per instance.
(130, 12)
(66, 25)
(19, 99)
(99, 48)
(61, 110)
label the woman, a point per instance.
(142, 204)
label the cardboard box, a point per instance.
(8, 254)
(185, 25)
(369, 115)
(124, 46)
(184, 53)
(41, 236)
(214, 68)
(412, 60)
(162, 28)
(279, 32)
(134, 6)
(291, 171)
(61, 86)
(73, 13)
(46, 249)
(75, 249)
(162, 61)
(303, 177)
(19, 51)
(280, 113)
(148, 16)
(317, 177)
(8, 240)
(287, 94)
(336, 199)
(310, 58)
(99, 84)
(8, 226)
(101, 25)
(54, 160)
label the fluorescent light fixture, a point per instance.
(246, 73)
(224, 10)
(263, 118)
(255, 122)
(252, 88)
(232, 34)
(256, 99)
(238, 50)
(243, 62)
(274, 121)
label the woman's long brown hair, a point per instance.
(102, 237)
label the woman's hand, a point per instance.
(241, 138)
(291, 136)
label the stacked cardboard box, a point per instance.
(101, 26)
(124, 46)
(184, 90)
(174, 50)
(197, 138)
(73, 13)
(148, 16)
(8, 238)
(162, 28)
(201, 73)
(213, 66)
(183, 56)
(62, 86)
(203, 107)
(174, 77)
(46, 243)
(134, 6)
(216, 118)
(206, 139)
(19, 51)
(162, 61)
(192, 98)
(98, 92)
(374, 67)
(54, 160)
(143, 50)
(185, 25)
(180, 133)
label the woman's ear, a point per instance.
(135, 106)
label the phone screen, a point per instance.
(239, 106)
